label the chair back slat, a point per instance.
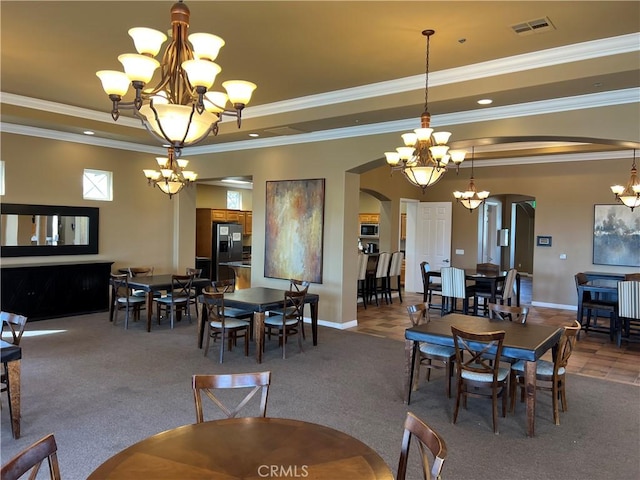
(453, 282)
(629, 299)
(508, 290)
(225, 286)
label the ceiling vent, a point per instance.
(533, 26)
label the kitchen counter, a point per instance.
(242, 271)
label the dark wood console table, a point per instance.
(49, 290)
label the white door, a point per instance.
(428, 240)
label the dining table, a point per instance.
(247, 448)
(526, 342)
(11, 357)
(154, 283)
(260, 300)
(601, 289)
(491, 279)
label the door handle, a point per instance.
(445, 260)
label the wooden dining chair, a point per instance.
(363, 260)
(551, 374)
(228, 330)
(478, 374)
(228, 285)
(30, 459)
(395, 270)
(197, 273)
(289, 322)
(124, 299)
(429, 287)
(454, 287)
(593, 306)
(13, 324)
(508, 312)
(297, 286)
(209, 384)
(178, 300)
(429, 440)
(445, 356)
(628, 309)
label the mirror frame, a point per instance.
(48, 210)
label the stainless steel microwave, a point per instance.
(368, 229)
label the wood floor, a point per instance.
(595, 355)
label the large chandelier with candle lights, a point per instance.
(629, 195)
(425, 155)
(178, 110)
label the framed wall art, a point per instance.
(294, 229)
(616, 236)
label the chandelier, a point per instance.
(471, 198)
(629, 195)
(178, 110)
(172, 176)
(424, 158)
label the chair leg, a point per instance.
(554, 401)
(222, 344)
(458, 395)
(494, 401)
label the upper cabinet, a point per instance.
(369, 217)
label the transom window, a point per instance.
(97, 185)
(234, 200)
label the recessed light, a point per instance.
(485, 101)
(254, 135)
(89, 132)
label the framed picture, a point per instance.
(543, 241)
(294, 228)
(616, 236)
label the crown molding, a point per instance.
(502, 66)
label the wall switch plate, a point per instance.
(563, 256)
(459, 251)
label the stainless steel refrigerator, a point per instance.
(227, 247)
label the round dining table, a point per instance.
(247, 448)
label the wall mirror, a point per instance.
(35, 230)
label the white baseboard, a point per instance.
(339, 326)
(555, 305)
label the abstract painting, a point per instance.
(616, 236)
(294, 230)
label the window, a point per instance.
(234, 200)
(97, 185)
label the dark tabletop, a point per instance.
(523, 342)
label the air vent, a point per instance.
(533, 26)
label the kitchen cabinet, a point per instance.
(369, 217)
(248, 223)
(40, 291)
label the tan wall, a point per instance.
(213, 196)
(143, 226)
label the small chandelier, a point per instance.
(629, 195)
(424, 158)
(178, 111)
(471, 198)
(172, 177)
